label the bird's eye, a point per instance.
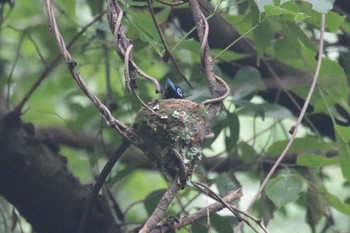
(179, 91)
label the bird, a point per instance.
(172, 91)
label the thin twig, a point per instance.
(9, 79)
(233, 209)
(37, 50)
(51, 66)
(128, 78)
(217, 88)
(298, 122)
(201, 213)
(215, 207)
(167, 53)
(121, 42)
(100, 181)
(220, 98)
(71, 64)
(205, 38)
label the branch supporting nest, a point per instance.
(122, 43)
(217, 86)
(163, 204)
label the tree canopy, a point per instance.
(89, 143)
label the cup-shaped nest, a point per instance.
(172, 136)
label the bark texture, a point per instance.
(35, 179)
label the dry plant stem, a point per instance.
(121, 42)
(128, 79)
(233, 209)
(220, 98)
(166, 47)
(213, 208)
(76, 76)
(52, 65)
(205, 38)
(99, 183)
(163, 204)
(218, 88)
(298, 122)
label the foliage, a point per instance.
(250, 129)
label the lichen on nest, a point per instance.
(172, 136)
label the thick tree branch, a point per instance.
(35, 179)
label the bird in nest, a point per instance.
(172, 91)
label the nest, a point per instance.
(172, 136)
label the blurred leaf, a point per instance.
(146, 30)
(263, 35)
(275, 10)
(246, 83)
(95, 6)
(220, 223)
(284, 189)
(233, 126)
(69, 7)
(227, 55)
(163, 15)
(343, 140)
(333, 82)
(334, 21)
(226, 183)
(335, 202)
(300, 145)
(266, 209)
(200, 226)
(262, 3)
(322, 6)
(314, 160)
(247, 152)
(316, 201)
(152, 200)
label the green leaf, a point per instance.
(146, 30)
(263, 35)
(220, 223)
(335, 202)
(232, 136)
(300, 145)
(246, 83)
(267, 208)
(316, 202)
(68, 6)
(333, 82)
(314, 160)
(227, 55)
(284, 189)
(275, 10)
(343, 140)
(322, 6)
(199, 227)
(334, 21)
(94, 6)
(226, 183)
(247, 152)
(152, 200)
(262, 3)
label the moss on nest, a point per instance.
(172, 137)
